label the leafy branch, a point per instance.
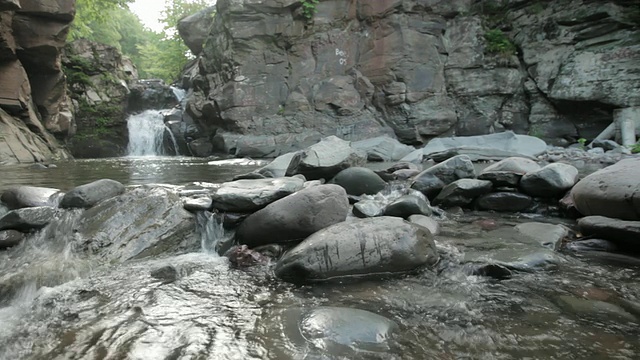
(309, 7)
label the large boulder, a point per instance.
(376, 246)
(30, 196)
(145, 221)
(27, 219)
(462, 192)
(194, 29)
(432, 180)
(488, 147)
(295, 217)
(86, 196)
(251, 195)
(552, 180)
(327, 158)
(358, 180)
(383, 148)
(612, 192)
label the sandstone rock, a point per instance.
(552, 180)
(625, 234)
(462, 192)
(426, 222)
(295, 217)
(383, 149)
(252, 195)
(145, 221)
(194, 29)
(367, 247)
(505, 202)
(327, 158)
(610, 192)
(27, 219)
(357, 181)
(10, 238)
(30, 196)
(88, 195)
(408, 205)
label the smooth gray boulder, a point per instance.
(625, 234)
(327, 158)
(408, 205)
(489, 147)
(612, 192)
(30, 196)
(552, 180)
(462, 192)
(376, 246)
(383, 148)
(88, 195)
(142, 222)
(428, 184)
(10, 238)
(425, 222)
(505, 201)
(27, 219)
(198, 204)
(252, 195)
(358, 180)
(295, 217)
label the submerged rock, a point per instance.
(295, 217)
(30, 196)
(242, 256)
(10, 238)
(376, 246)
(251, 195)
(86, 196)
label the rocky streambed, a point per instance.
(315, 256)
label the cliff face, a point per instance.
(35, 111)
(268, 79)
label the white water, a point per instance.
(146, 134)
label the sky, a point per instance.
(149, 12)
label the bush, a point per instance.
(308, 7)
(498, 43)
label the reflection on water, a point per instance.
(127, 170)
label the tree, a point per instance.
(92, 11)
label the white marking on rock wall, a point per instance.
(342, 56)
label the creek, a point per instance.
(70, 305)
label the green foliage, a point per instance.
(309, 8)
(635, 149)
(77, 71)
(91, 12)
(498, 43)
(582, 142)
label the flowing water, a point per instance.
(197, 306)
(146, 134)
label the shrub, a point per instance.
(308, 7)
(498, 43)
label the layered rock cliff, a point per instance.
(268, 79)
(35, 111)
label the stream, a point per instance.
(197, 306)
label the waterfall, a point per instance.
(146, 134)
(180, 94)
(214, 239)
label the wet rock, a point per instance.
(610, 258)
(327, 158)
(383, 148)
(428, 184)
(30, 196)
(505, 202)
(272, 251)
(232, 220)
(462, 192)
(198, 204)
(612, 192)
(251, 195)
(402, 166)
(368, 208)
(552, 180)
(166, 274)
(27, 219)
(405, 174)
(357, 181)
(534, 262)
(592, 245)
(502, 178)
(382, 245)
(279, 167)
(242, 256)
(249, 176)
(626, 234)
(425, 222)
(594, 308)
(547, 235)
(88, 195)
(295, 217)
(145, 221)
(10, 238)
(568, 206)
(495, 271)
(516, 165)
(408, 205)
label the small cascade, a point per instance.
(214, 239)
(146, 134)
(180, 94)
